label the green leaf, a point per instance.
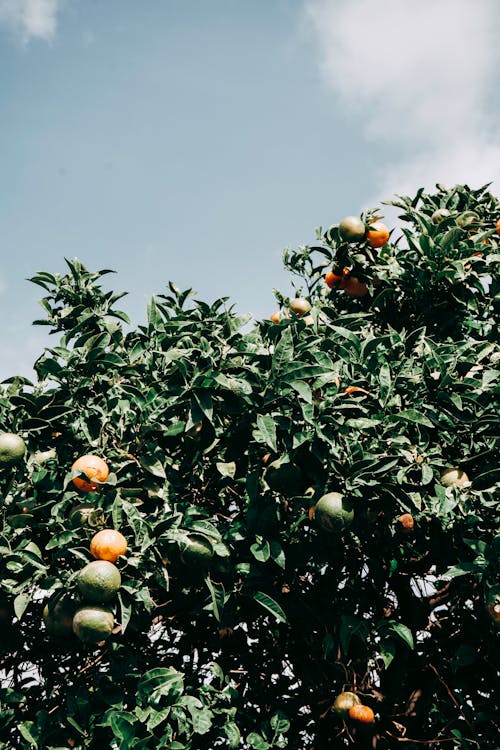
(411, 415)
(232, 733)
(226, 469)
(271, 605)
(267, 431)
(20, 604)
(257, 741)
(403, 632)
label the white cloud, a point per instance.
(421, 76)
(31, 19)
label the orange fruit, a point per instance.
(108, 544)
(275, 317)
(99, 581)
(58, 617)
(300, 306)
(94, 468)
(332, 279)
(93, 624)
(497, 226)
(353, 287)
(377, 234)
(406, 523)
(333, 512)
(12, 448)
(361, 713)
(344, 702)
(352, 229)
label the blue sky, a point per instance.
(193, 140)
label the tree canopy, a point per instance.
(241, 611)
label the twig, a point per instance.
(457, 704)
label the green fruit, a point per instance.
(58, 617)
(86, 515)
(99, 581)
(196, 551)
(333, 512)
(285, 478)
(454, 478)
(352, 229)
(440, 214)
(12, 449)
(344, 701)
(93, 624)
(467, 219)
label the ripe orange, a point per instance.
(377, 234)
(332, 279)
(361, 713)
(352, 229)
(353, 287)
(406, 523)
(108, 544)
(300, 306)
(497, 226)
(275, 317)
(94, 468)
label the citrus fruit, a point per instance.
(352, 229)
(439, 214)
(299, 306)
(275, 317)
(454, 478)
(353, 287)
(332, 279)
(196, 550)
(94, 468)
(99, 581)
(333, 512)
(93, 624)
(377, 234)
(361, 713)
(286, 478)
(58, 617)
(308, 320)
(344, 701)
(406, 523)
(497, 226)
(108, 544)
(12, 449)
(467, 219)
(86, 515)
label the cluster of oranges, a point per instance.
(100, 580)
(348, 705)
(354, 230)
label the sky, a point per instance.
(193, 140)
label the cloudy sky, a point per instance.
(193, 140)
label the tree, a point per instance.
(241, 614)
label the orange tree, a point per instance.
(232, 614)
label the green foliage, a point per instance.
(239, 619)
